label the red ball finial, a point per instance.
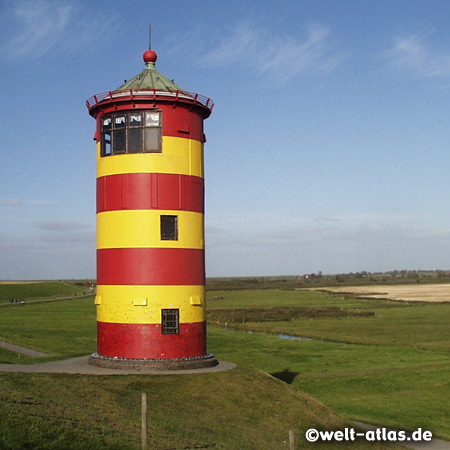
(150, 56)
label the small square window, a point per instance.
(106, 123)
(134, 140)
(152, 140)
(169, 228)
(120, 121)
(152, 119)
(119, 141)
(135, 119)
(170, 321)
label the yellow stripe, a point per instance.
(143, 304)
(142, 228)
(179, 155)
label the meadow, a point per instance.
(375, 361)
(390, 367)
(33, 290)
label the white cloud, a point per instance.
(39, 24)
(325, 219)
(42, 202)
(60, 226)
(37, 27)
(280, 57)
(186, 43)
(11, 202)
(19, 202)
(414, 54)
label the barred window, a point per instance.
(170, 320)
(131, 132)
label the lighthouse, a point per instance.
(150, 224)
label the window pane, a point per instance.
(152, 119)
(119, 141)
(169, 228)
(135, 119)
(134, 140)
(120, 121)
(106, 144)
(106, 123)
(152, 142)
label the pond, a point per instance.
(298, 338)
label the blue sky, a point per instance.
(328, 146)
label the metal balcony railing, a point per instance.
(151, 94)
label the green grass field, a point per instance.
(40, 289)
(244, 408)
(390, 368)
(375, 361)
(419, 325)
(64, 328)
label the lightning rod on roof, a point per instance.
(150, 36)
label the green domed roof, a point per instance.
(150, 78)
(149, 84)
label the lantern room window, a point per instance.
(131, 132)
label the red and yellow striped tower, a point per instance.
(150, 224)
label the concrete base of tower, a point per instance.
(197, 362)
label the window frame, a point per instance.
(170, 321)
(171, 234)
(110, 132)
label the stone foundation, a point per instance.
(198, 362)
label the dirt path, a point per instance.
(80, 366)
(22, 350)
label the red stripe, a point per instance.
(150, 191)
(151, 266)
(145, 341)
(183, 121)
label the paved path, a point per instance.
(22, 350)
(80, 366)
(434, 444)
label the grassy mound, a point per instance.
(239, 409)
